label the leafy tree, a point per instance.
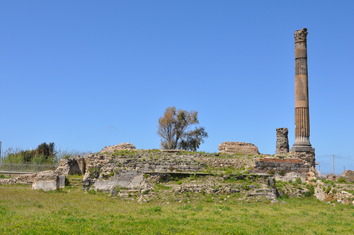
(173, 129)
(45, 150)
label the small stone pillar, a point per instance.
(282, 141)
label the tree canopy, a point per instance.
(174, 130)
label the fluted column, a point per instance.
(302, 118)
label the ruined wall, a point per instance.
(285, 165)
(238, 148)
(284, 169)
(105, 171)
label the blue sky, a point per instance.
(86, 74)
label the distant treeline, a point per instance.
(43, 154)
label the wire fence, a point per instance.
(30, 168)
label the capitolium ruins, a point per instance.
(238, 167)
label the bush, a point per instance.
(311, 191)
(341, 180)
(298, 181)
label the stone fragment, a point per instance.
(238, 147)
(61, 181)
(282, 145)
(46, 180)
(122, 146)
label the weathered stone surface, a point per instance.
(331, 177)
(348, 175)
(71, 166)
(290, 176)
(307, 157)
(22, 179)
(61, 181)
(242, 162)
(26, 179)
(284, 169)
(238, 147)
(282, 145)
(311, 176)
(332, 193)
(122, 146)
(8, 181)
(127, 180)
(46, 180)
(81, 164)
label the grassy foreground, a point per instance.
(25, 211)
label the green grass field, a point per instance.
(72, 211)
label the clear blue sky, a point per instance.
(86, 74)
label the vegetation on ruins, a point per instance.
(43, 154)
(174, 130)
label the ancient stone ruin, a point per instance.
(122, 146)
(48, 181)
(71, 166)
(302, 117)
(238, 148)
(124, 171)
(348, 175)
(282, 145)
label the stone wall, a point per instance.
(125, 169)
(284, 169)
(238, 148)
(21, 179)
(105, 171)
(71, 166)
(307, 157)
(285, 165)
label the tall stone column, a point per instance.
(302, 119)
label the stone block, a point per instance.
(46, 180)
(61, 181)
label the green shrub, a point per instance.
(311, 191)
(341, 180)
(328, 189)
(298, 181)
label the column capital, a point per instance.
(300, 35)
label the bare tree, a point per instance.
(173, 129)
